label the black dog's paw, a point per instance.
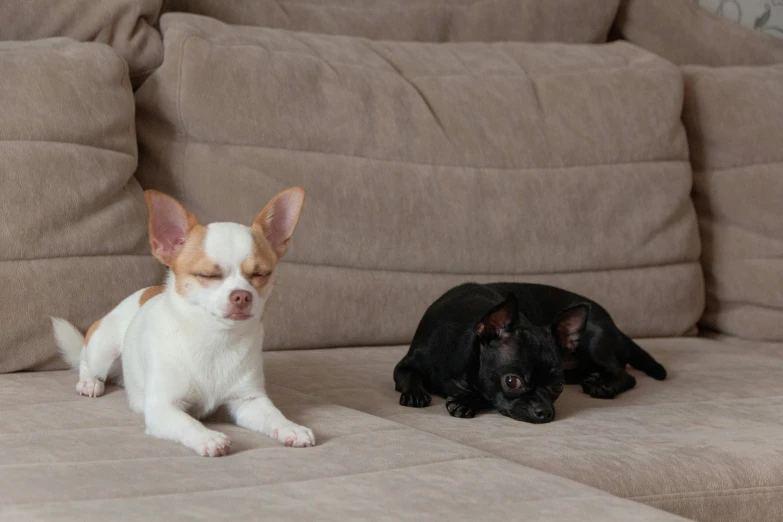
(607, 386)
(595, 387)
(415, 399)
(458, 409)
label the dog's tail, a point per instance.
(643, 361)
(69, 340)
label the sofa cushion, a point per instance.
(70, 458)
(683, 32)
(73, 235)
(126, 25)
(704, 444)
(425, 20)
(428, 165)
(733, 117)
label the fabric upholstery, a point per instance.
(430, 164)
(425, 20)
(69, 458)
(733, 116)
(72, 219)
(704, 444)
(126, 25)
(686, 34)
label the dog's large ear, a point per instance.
(279, 217)
(569, 326)
(502, 317)
(168, 225)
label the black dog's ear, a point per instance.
(569, 325)
(500, 318)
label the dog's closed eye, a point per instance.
(206, 275)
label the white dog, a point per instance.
(184, 349)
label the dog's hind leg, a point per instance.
(410, 383)
(641, 360)
(101, 352)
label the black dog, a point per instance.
(511, 346)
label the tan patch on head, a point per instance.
(192, 260)
(91, 331)
(149, 293)
(258, 269)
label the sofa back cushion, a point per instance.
(684, 33)
(733, 116)
(424, 20)
(428, 165)
(126, 25)
(72, 218)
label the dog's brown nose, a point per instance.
(241, 299)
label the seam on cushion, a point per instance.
(179, 88)
(692, 262)
(54, 258)
(598, 494)
(188, 455)
(695, 495)
(708, 172)
(391, 271)
(415, 87)
(299, 38)
(709, 219)
(202, 36)
(683, 161)
(723, 301)
(428, 5)
(135, 496)
(70, 144)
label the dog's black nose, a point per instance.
(543, 414)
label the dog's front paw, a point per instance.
(597, 388)
(415, 398)
(459, 409)
(212, 444)
(91, 387)
(294, 435)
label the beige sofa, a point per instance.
(438, 142)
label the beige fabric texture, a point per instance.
(704, 444)
(686, 34)
(424, 20)
(71, 458)
(733, 116)
(126, 25)
(72, 219)
(428, 165)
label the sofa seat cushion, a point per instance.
(430, 164)
(704, 444)
(73, 239)
(72, 458)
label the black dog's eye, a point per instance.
(512, 382)
(557, 387)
